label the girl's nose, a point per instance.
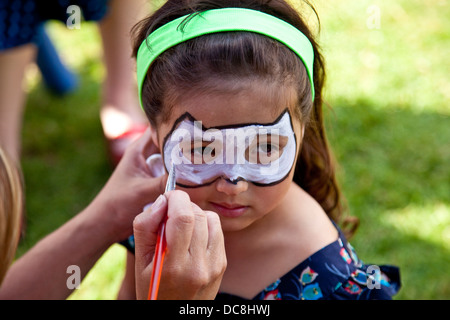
(231, 188)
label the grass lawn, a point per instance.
(389, 89)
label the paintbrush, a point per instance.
(161, 244)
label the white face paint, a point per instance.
(259, 153)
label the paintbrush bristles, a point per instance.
(171, 180)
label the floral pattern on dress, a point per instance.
(307, 276)
(271, 292)
(334, 272)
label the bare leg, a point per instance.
(120, 109)
(13, 63)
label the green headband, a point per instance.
(222, 20)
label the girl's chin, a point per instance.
(232, 226)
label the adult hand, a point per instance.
(195, 259)
(129, 189)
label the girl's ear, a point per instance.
(154, 137)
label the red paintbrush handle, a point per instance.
(160, 252)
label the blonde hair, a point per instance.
(11, 208)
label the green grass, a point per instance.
(389, 90)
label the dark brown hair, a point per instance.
(203, 62)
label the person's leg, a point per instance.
(56, 75)
(121, 116)
(13, 63)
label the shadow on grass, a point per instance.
(396, 178)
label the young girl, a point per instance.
(233, 91)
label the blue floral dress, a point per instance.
(332, 273)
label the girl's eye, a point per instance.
(203, 150)
(197, 151)
(263, 153)
(267, 148)
(201, 154)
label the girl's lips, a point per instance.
(229, 210)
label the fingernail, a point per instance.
(159, 203)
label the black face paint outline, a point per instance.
(191, 118)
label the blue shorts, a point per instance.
(20, 19)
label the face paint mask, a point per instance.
(262, 154)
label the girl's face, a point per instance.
(238, 201)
